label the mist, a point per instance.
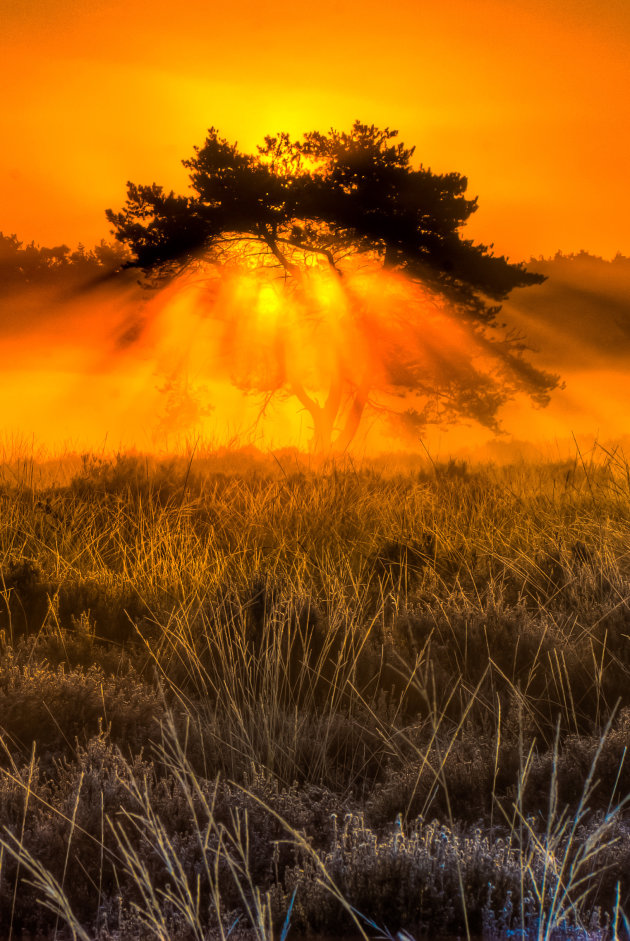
(108, 364)
(578, 324)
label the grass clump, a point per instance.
(328, 700)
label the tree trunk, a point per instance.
(324, 416)
(353, 418)
(322, 431)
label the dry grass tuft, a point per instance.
(247, 704)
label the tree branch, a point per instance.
(284, 261)
(304, 398)
(316, 251)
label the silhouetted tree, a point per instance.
(424, 346)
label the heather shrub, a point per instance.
(389, 692)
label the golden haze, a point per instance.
(117, 368)
(527, 99)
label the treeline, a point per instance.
(29, 265)
(580, 316)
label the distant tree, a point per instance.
(420, 342)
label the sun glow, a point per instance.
(229, 350)
(239, 355)
(268, 304)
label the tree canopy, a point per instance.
(407, 319)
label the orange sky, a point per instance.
(528, 99)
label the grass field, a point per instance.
(243, 697)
